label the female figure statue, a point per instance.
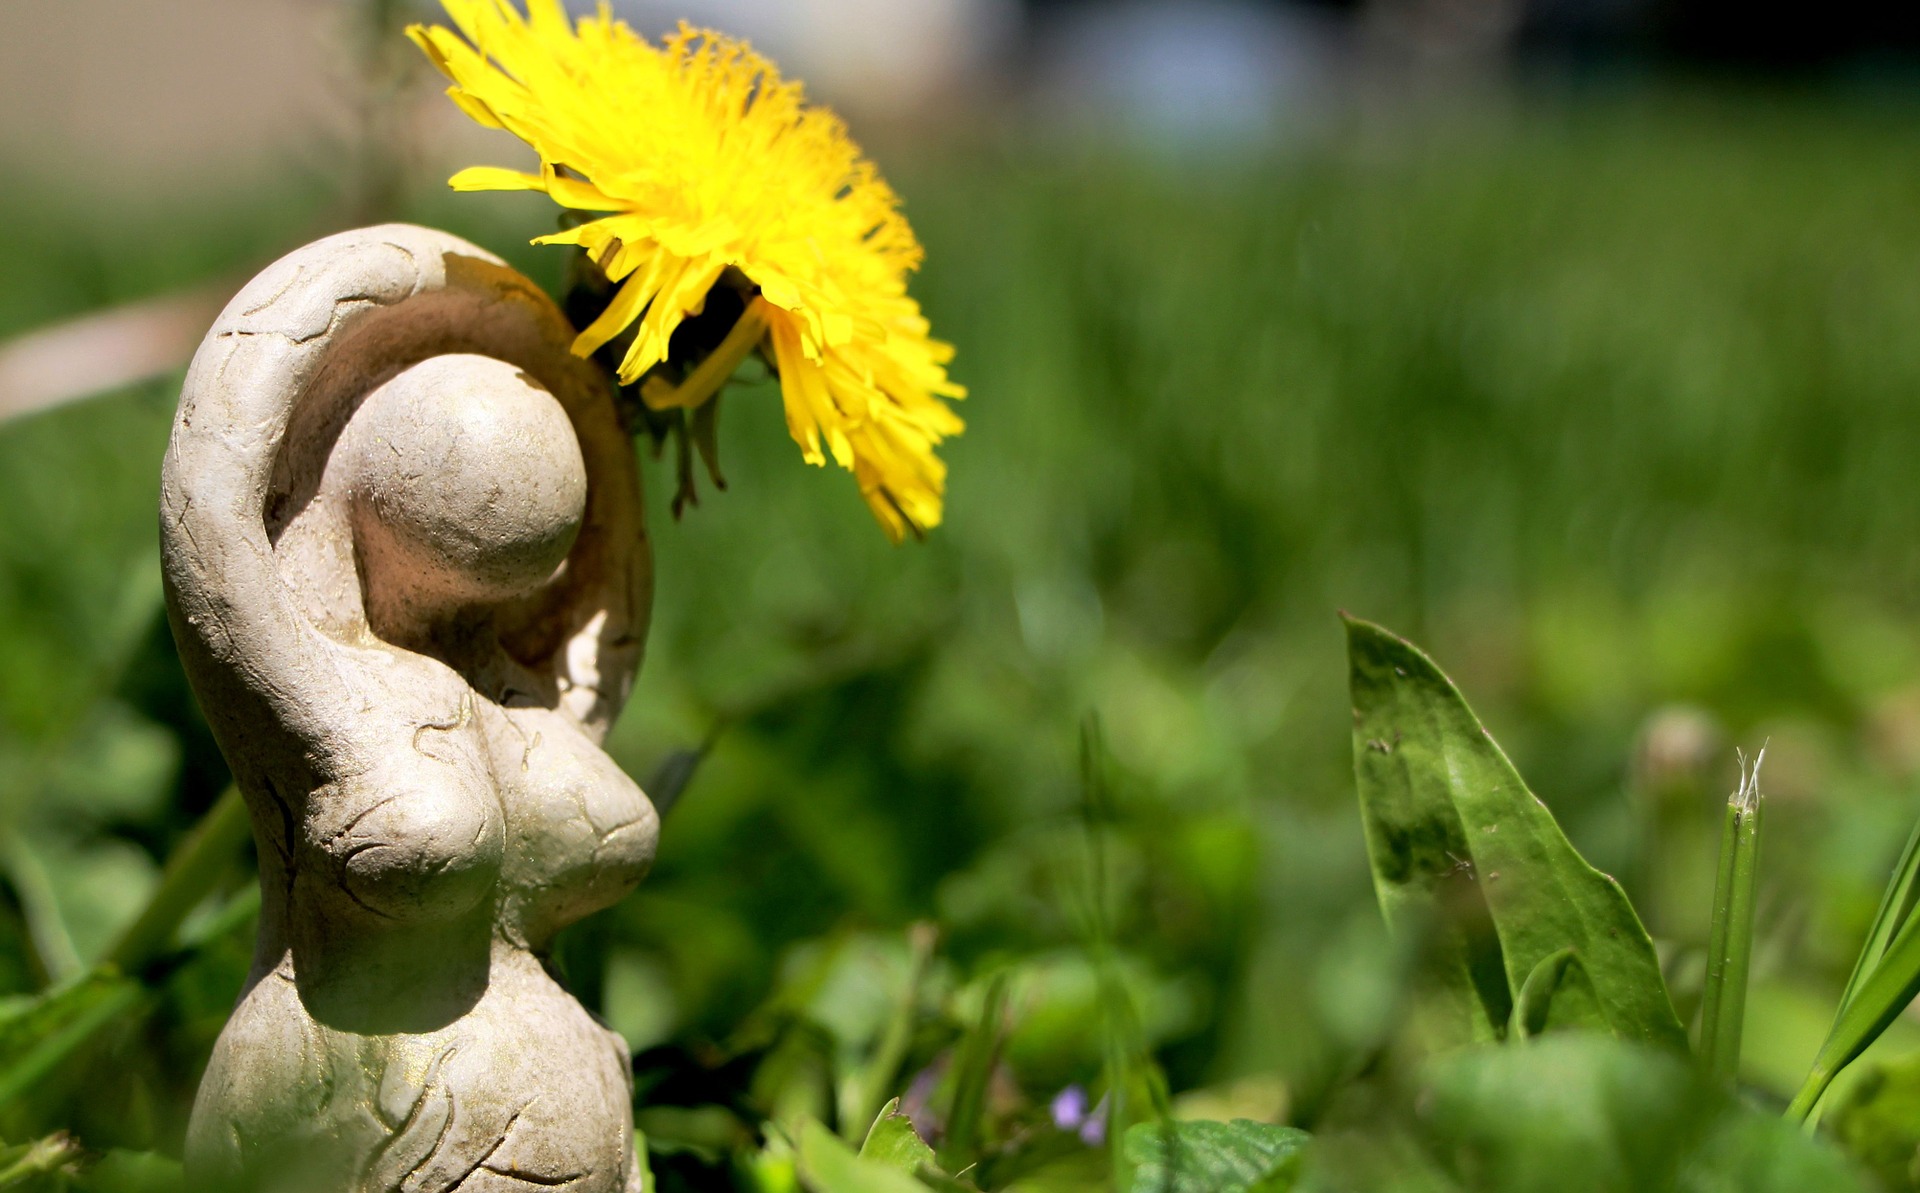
(408, 574)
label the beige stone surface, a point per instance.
(407, 570)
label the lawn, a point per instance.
(1611, 402)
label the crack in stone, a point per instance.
(499, 1142)
(460, 721)
(362, 815)
(412, 1119)
(299, 273)
(283, 846)
(333, 321)
(364, 905)
(545, 1182)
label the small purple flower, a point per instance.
(1070, 1108)
(1070, 1113)
(1093, 1132)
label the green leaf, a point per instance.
(828, 1165)
(1581, 1112)
(39, 1034)
(1454, 835)
(1556, 995)
(892, 1141)
(1208, 1157)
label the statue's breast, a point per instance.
(580, 833)
(407, 823)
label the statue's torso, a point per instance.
(402, 1080)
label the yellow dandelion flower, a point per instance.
(708, 167)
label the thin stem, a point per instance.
(1730, 943)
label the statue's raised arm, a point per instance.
(408, 573)
(275, 383)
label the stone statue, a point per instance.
(407, 570)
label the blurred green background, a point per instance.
(1610, 398)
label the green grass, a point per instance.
(1612, 405)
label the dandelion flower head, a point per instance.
(695, 164)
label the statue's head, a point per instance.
(466, 488)
(387, 434)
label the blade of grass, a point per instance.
(972, 1070)
(1883, 995)
(1723, 1006)
(57, 1025)
(1885, 979)
(192, 873)
(1136, 1090)
(1896, 904)
(861, 1097)
(43, 1036)
(46, 927)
